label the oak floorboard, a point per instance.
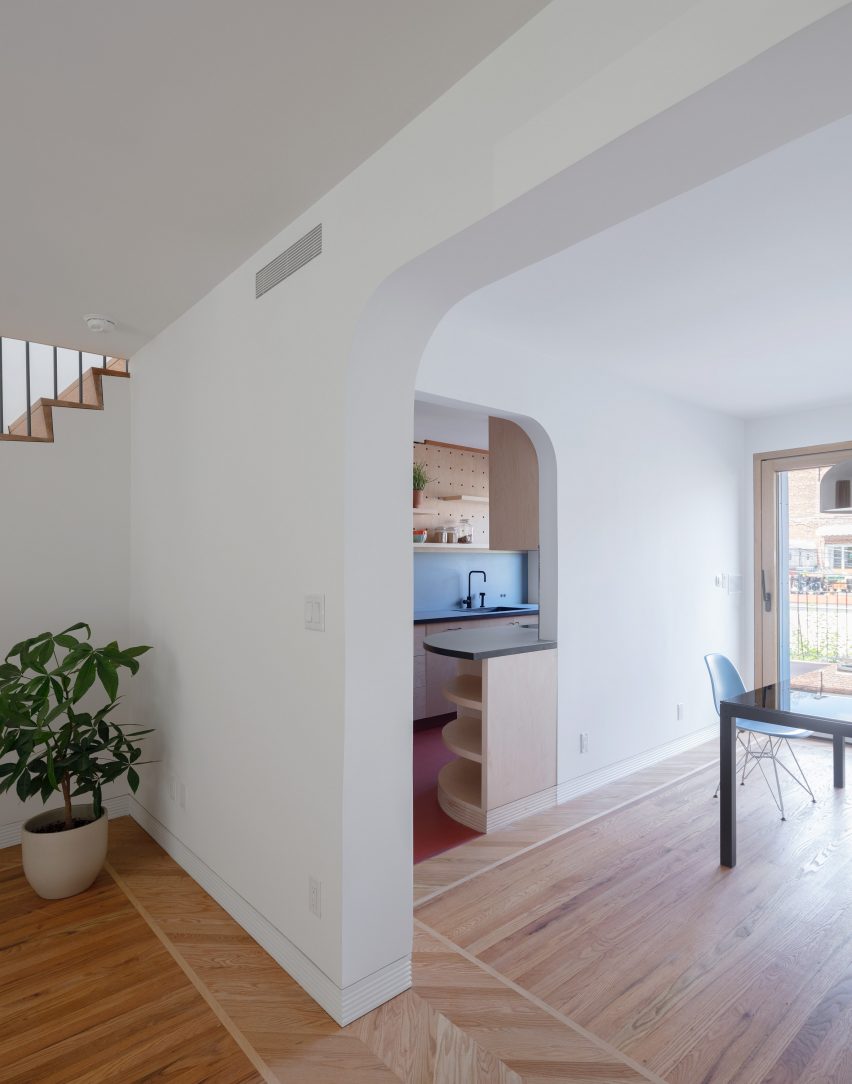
(629, 927)
(438, 873)
(89, 994)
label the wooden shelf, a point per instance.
(424, 512)
(465, 497)
(465, 690)
(463, 736)
(457, 546)
(460, 789)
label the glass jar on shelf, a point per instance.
(465, 531)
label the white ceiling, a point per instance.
(451, 425)
(150, 146)
(736, 295)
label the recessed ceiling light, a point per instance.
(95, 322)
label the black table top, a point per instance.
(783, 696)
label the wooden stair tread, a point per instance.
(41, 412)
(464, 737)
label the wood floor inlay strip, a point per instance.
(608, 808)
(601, 1044)
(225, 1020)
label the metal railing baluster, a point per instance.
(55, 376)
(29, 404)
(80, 378)
(2, 415)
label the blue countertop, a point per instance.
(422, 617)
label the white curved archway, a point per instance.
(662, 158)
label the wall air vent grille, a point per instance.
(290, 260)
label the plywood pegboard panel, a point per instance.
(455, 472)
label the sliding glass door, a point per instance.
(803, 572)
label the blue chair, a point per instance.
(727, 683)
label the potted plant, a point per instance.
(421, 480)
(48, 745)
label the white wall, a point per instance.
(648, 492)
(799, 429)
(295, 746)
(66, 539)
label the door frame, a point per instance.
(767, 467)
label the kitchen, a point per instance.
(484, 696)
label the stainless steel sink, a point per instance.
(496, 610)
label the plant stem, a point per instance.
(66, 794)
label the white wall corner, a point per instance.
(10, 834)
(343, 1004)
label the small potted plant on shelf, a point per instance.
(421, 480)
(48, 746)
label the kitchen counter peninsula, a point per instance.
(504, 735)
(478, 644)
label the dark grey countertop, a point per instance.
(453, 613)
(486, 643)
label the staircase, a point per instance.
(35, 423)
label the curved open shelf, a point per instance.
(463, 736)
(460, 793)
(465, 690)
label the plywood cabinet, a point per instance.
(504, 739)
(432, 672)
(513, 487)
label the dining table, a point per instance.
(787, 703)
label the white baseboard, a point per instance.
(522, 807)
(343, 1004)
(573, 788)
(10, 834)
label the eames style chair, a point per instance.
(758, 742)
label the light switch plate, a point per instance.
(315, 613)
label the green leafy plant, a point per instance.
(420, 478)
(55, 746)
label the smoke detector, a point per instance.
(101, 324)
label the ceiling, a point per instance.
(450, 425)
(736, 295)
(151, 146)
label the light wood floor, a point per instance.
(597, 942)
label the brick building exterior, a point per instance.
(820, 542)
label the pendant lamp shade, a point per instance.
(835, 489)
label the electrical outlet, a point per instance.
(681, 711)
(182, 795)
(315, 896)
(584, 743)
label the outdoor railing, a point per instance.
(821, 626)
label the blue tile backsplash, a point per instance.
(440, 579)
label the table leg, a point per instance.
(728, 791)
(839, 760)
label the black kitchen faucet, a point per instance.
(469, 600)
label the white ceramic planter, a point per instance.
(60, 864)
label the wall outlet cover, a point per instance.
(315, 613)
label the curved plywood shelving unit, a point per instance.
(465, 690)
(460, 793)
(463, 736)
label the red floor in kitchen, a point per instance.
(434, 831)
